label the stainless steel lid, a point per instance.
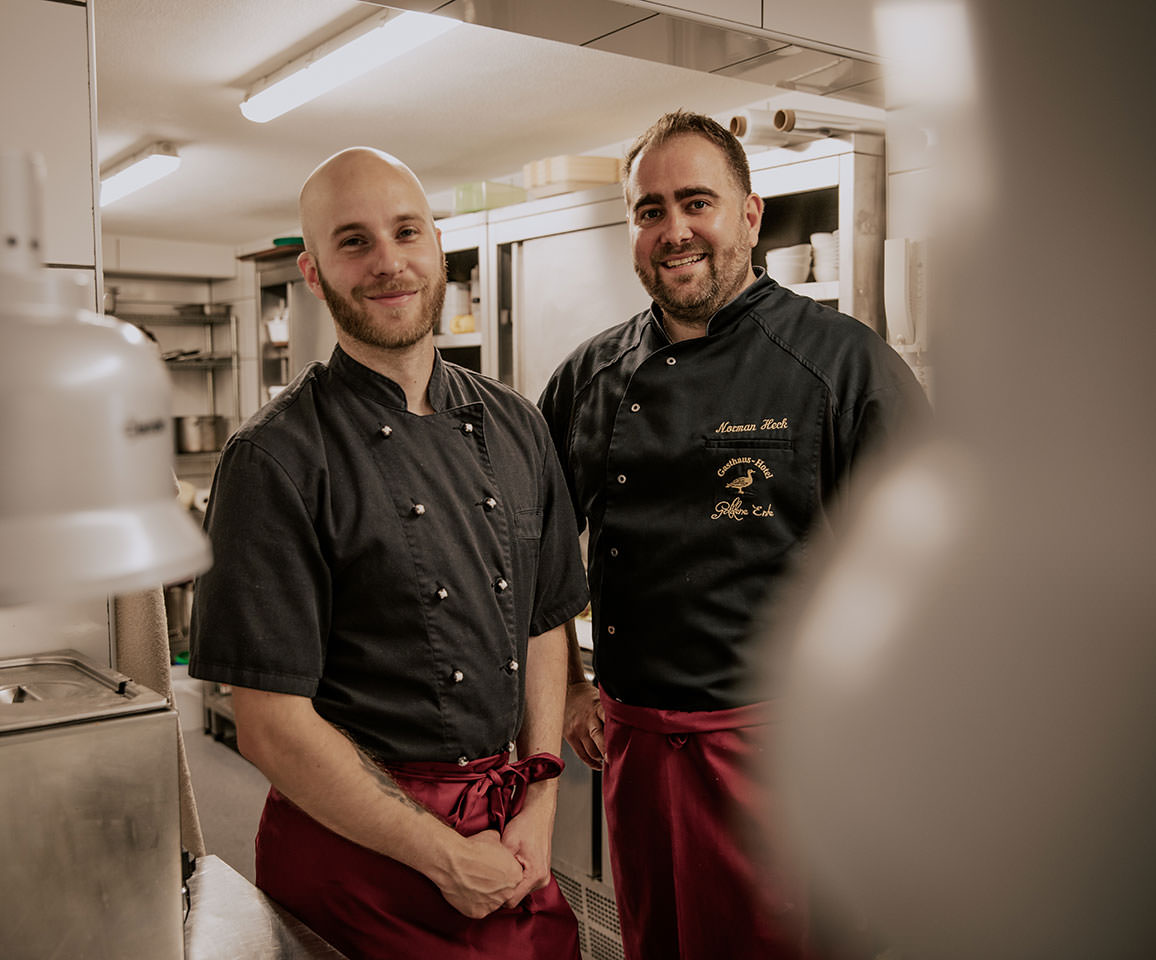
(65, 686)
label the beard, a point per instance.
(695, 299)
(394, 331)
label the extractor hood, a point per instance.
(745, 53)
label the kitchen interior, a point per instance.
(515, 116)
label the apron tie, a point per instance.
(493, 780)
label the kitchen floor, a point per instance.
(230, 791)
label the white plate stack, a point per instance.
(790, 265)
(826, 250)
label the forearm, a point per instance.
(583, 717)
(546, 671)
(575, 668)
(331, 779)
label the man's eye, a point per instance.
(351, 242)
(408, 233)
(698, 204)
(651, 214)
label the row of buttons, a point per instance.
(466, 428)
(511, 665)
(634, 408)
(464, 761)
(487, 504)
(500, 584)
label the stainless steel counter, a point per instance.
(230, 919)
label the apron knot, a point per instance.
(503, 788)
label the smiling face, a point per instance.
(372, 253)
(691, 227)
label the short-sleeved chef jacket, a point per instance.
(701, 466)
(389, 566)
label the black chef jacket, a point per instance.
(701, 466)
(387, 565)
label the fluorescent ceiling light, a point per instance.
(347, 56)
(149, 165)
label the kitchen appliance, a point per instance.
(89, 814)
(86, 482)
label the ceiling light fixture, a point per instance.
(142, 168)
(347, 56)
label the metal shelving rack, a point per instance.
(209, 361)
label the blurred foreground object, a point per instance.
(87, 499)
(970, 754)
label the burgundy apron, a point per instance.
(371, 906)
(697, 875)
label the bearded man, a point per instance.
(704, 441)
(395, 559)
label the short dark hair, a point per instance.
(671, 125)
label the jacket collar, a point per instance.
(380, 388)
(725, 318)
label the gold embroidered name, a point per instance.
(736, 510)
(768, 423)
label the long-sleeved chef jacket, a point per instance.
(702, 468)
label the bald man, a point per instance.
(396, 558)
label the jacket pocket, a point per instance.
(528, 524)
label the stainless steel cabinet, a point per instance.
(563, 267)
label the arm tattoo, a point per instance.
(385, 783)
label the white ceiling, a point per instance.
(474, 104)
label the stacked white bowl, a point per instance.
(790, 264)
(826, 250)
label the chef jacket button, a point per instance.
(501, 584)
(442, 593)
(634, 408)
(418, 509)
(512, 665)
(458, 676)
(467, 428)
(489, 503)
(387, 430)
(610, 630)
(622, 478)
(613, 551)
(670, 361)
(463, 761)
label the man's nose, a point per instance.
(389, 259)
(676, 229)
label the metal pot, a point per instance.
(200, 434)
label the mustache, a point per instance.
(381, 289)
(683, 250)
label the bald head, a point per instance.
(349, 173)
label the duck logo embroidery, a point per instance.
(739, 475)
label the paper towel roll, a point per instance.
(820, 124)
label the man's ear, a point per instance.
(308, 267)
(753, 212)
